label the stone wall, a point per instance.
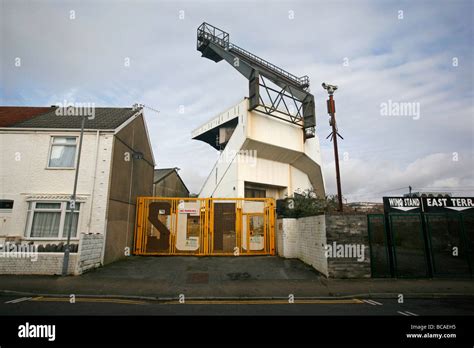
(309, 238)
(41, 264)
(345, 230)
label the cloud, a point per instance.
(403, 60)
(439, 172)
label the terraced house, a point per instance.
(39, 150)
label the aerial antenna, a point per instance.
(139, 106)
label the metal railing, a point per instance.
(302, 81)
(212, 34)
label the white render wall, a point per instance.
(24, 176)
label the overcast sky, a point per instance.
(378, 52)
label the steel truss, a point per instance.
(292, 90)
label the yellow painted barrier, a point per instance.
(204, 226)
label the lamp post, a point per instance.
(334, 134)
(72, 202)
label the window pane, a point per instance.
(48, 205)
(67, 221)
(64, 140)
(6, 204)
(45, 224)
(256, 226)
(62, 156)
(254, 193)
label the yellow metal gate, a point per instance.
(205, 226)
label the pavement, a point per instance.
(258, 277)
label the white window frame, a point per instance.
(51, 144)
(32, 209)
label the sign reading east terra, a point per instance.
(428, 204)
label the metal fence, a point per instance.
(417, 245)
(205, 226)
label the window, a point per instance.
(62, 153)
(6, 204)
(254, 193)
(51, 220)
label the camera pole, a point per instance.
(334, 134)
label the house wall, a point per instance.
(129, 179)
(24, 176)
(170, 186)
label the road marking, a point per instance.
(407, 313)
(197, 302)
(264, 302)
(373, 303)
(18, 300)
(87, 299)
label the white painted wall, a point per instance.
(270, 130)
(233, 171)
(303, 238)
(223, 184)
(24, 175)
(298, 180)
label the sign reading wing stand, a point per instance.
(402, 204)
(428, 204)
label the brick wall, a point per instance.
(45, 264)
(88, 256)
(306, 238)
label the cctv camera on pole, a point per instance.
(334, 134)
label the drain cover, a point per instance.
(238, 276)
(197, 278)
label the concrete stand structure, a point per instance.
(261, 156)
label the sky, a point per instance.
(405, 71)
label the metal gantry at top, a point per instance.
(292, 102)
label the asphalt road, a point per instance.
(22, 306)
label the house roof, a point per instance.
(9, 115)
(162, 173)
(23, 117)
